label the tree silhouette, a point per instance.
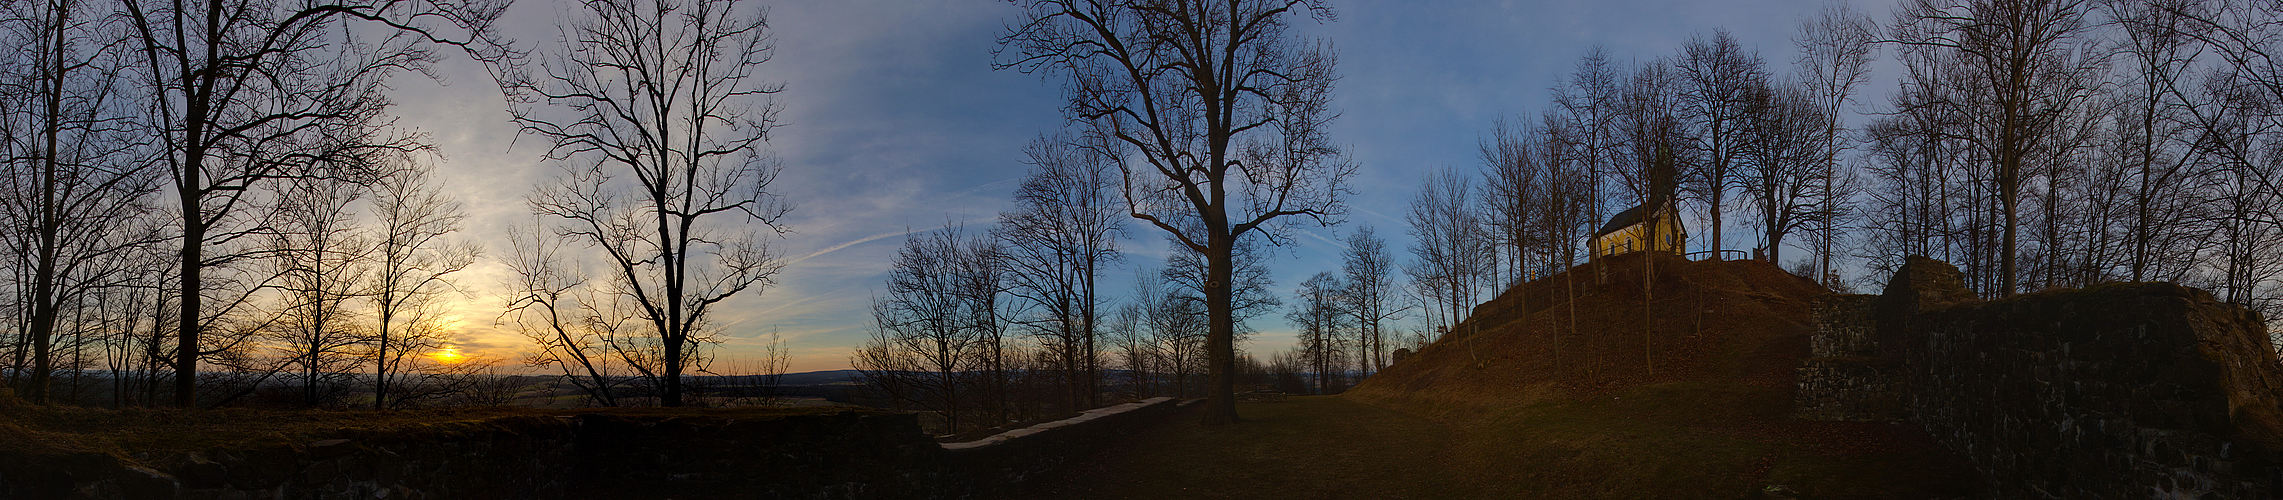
(242, 93)
(1062, 232)
(657, 116)
(1225, 112)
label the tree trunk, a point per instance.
(2006, 257)
(1715, 223)
(1220, 333)
(188, 329)
(1087, 313)
(380, 356)
(672, 395)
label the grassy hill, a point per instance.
(1586, 331)
(1689, 398)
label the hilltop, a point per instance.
(1585, 331)
(1515, 403)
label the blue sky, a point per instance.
(895, 121)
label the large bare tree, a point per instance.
(1514, 187)
(1223, 110)
(658, 117)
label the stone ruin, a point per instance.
(2115, 391)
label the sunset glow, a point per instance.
(448, 355)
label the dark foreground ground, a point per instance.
(1657, 441)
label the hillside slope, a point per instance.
(1688, 397)
(1527, 407)
(1727, 323)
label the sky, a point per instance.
(894, 121)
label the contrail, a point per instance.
(878, 237)
(1328, 243)
(850, 243)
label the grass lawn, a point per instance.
(1680, 440)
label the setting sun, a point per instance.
(448, 355)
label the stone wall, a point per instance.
(1844, 378)
(852, 454)
(2118, 391)
(1843, 327)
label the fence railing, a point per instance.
(1723, 254)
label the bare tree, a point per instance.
(1591, 103)
(322, 262)
(2233, 119)
(240, 93)
(1451, 252)
(71, 187)
(1835, 53)
(928, 341)
(1655, 143)
(1537, 195)
(1369, 272)
(545, 306)
(412, 264)
(1057, 240)
(1317, 309)
(1557, 151)
(2239, 135)
(1716, 84)
(1175, 326)
(1128, 332)
(1225, 112)
(1783, 169)
(2158, 177)
(981, 276)
(1654, 138)
(1514, 187)
(656, 113)
(2021, 74)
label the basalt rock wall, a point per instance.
(2118, 391)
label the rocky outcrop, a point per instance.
(2126, 390)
